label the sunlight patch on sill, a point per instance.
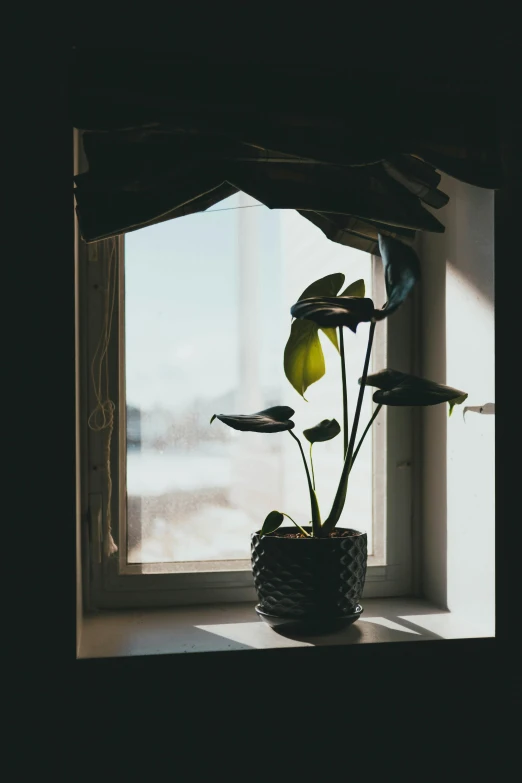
(454, 626)
(389, 624)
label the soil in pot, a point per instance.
(334, 534)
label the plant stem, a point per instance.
(340, 496)
(312, 466)
(377, 409)
(345, 392)
(316, 516)
(295, 523)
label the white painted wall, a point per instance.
(459, 455)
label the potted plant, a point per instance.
(309, 576)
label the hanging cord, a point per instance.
(102, 417)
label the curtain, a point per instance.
(355, 152)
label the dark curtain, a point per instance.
(355, 152)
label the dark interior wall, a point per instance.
(384, 39)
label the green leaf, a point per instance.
(456, 401)
(401, 273)
(325, 430)
(331, 333)
(356, 288)
(272, 522)
(275, 419)
(304, 358)
(325, 286)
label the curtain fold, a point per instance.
(356, 153)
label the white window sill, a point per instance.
(215, 628)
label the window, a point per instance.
(207, 316)
(189, 318)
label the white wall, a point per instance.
(459, 455)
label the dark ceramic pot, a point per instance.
(309, 584)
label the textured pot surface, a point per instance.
(309, 577)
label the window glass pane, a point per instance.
(207, 301)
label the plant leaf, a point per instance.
(357, 288)
(401, 273)
(333, 311)
(456, 401)
(304, 367)
(304, 358)
(325, 286)
(331, 333)
(325, 430)
(272, 522)
(398, 388)
(276, 419)
(386, 379)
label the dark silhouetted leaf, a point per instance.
(386, 379)
(272, 522)
(334, 311)
(326, 286)
(398, 388)
(276, 419)
(325, 430)
(401, 272)
(304, 358)
(354, 289)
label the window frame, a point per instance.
(110, 583)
